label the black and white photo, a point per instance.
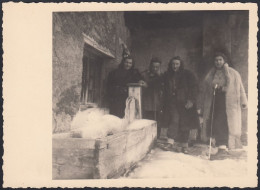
(130, 95)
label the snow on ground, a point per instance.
(168, 164)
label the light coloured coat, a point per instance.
(235, 98)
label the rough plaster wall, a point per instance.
(105, 28)
(221, 31)
(239, 45)
(121, 35)
(184, 42)
(67, 56)
(216, 37)
(239, 53)
(228, 32)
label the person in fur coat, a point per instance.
(180, 111)
(230, 97)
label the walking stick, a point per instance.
(212, 116)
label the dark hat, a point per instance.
(126, 52)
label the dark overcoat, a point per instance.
(117, 89)
(152, 94)
(179, 87)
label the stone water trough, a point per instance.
(106, 157)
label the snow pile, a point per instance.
(85, 118)
(139, 124)
(114, 124)
(93, 123)
(163, 164)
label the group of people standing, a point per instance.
(170, 98)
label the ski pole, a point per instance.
(212, 116)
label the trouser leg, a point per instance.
(173, 123)
(154, 115)
(220, 126)
(159, 122)
(183, 136)
(184, 131)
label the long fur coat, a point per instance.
(235, 98)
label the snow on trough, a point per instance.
(139, 124)
(94, 123)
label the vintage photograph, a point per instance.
(149, 94)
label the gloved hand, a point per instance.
(142, 83)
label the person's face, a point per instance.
(128, 64)
(176, 65)
(156, 67)
(219, 62)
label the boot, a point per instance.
(169, 145)
(176, 148)
(220, 155)
(185, 150)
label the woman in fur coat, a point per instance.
(180, 97)
(230, 97)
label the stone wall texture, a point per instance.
(107, 29)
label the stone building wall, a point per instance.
(107, 29)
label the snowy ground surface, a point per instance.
(167, 164)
